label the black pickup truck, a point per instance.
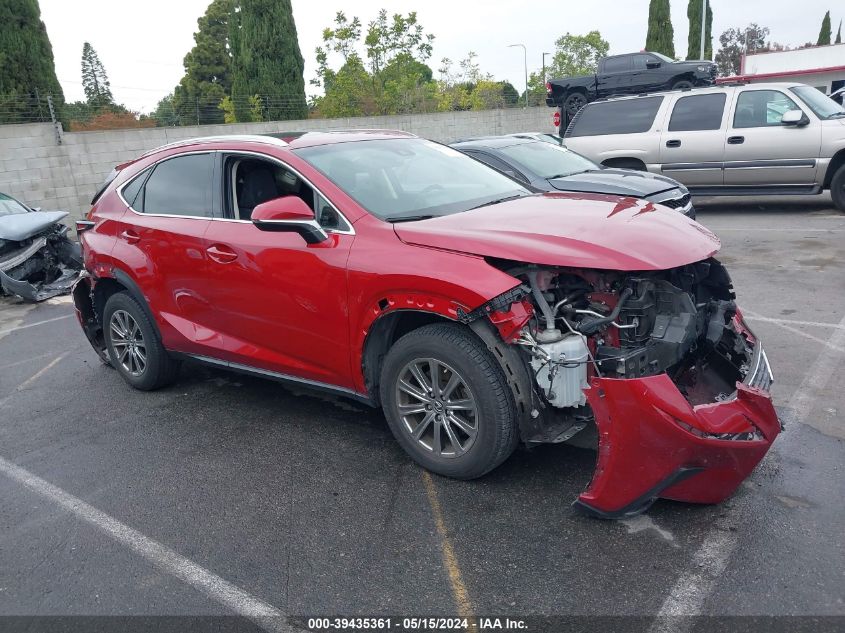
(632, 73)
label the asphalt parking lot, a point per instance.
(239, 495)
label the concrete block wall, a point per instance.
(37, 170)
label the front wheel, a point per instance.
(682, 85)
(447, 402)
(837, 188)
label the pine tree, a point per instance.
(95, 82)
(27, 71)
(824, 33)
(694, 39)
(839, 33)
(661, 36)
(208, 69)
(266, 61)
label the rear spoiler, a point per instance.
(112, 175)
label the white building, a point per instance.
(820, 66)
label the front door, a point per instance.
(761, 151)
(278, 303)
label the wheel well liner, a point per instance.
(625, 163)
(836, 162)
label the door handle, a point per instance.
(221, 254)
(130, 236)
(673, 143)
(736, 140)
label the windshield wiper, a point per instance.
(497, 201)
(408, 218)
(835, 114)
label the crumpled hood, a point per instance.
(21, 226)
(578, 230)
(616, 182)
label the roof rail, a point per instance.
(253, 138)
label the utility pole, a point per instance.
(525, 65)
(703, 22)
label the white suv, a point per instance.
(732, 139)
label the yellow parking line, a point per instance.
(459, 589)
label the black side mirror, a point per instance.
(652, 64)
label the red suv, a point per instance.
(406, 275)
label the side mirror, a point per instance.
(289, 214)
(794, 117)
(652, 64)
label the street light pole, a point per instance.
(544, 67)
(703, 22)
(525, 65)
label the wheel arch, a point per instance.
(625, 162)
(836, 162)
(120, 281)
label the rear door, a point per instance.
(161, 242)
(615, 77)
(693, 141)
(761, 151)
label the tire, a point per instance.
(133, 345)
(682, 85)
(574, 102)
(462, 434)
(837, 188)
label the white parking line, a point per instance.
(29, 325)
(692, 589)
(212, 585)
(759, 317)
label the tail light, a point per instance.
(548, 87)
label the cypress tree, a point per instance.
(661, 36)
(95, 82)
(267, 65)
(824, 33)
(208, 68)
(27, 71)
(694, 39)
(839, 33)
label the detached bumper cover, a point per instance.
(654, 444)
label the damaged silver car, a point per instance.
(37, 258)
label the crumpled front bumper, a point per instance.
(654, 444)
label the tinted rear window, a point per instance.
(628, 116)
(699, 112)
(180, 186)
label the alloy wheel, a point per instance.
(437, 407)
(128, 343)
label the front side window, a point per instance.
(699, 112)
(179, 186)
(626, 116)
(641, 62)
(548, 161)
(396, 179)
(762, 108)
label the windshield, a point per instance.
(10, 206)
(822, 106)
(547, 160)
(407, 178)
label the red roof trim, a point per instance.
(785, 73)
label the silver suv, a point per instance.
(748, 139)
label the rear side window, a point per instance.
(180, 186)
(130, 191)
(699, 112)
(616, 64)
(627, 116)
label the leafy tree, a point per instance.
(735, 42)
(694, 39)
(391, 75)
(95, 81)
(27, 71)
(839, 33)
(165, 114)
(208, 69)
(661, 36)
(266, 61)
(824, 32)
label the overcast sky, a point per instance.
(142, 44)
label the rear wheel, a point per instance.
(133, 345)
(574, 102)
(447, 402)
(837, 188)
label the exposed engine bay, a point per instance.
(37, 258)
(590, 323)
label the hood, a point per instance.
(21, 226)
(615, 182)
(577, 230)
